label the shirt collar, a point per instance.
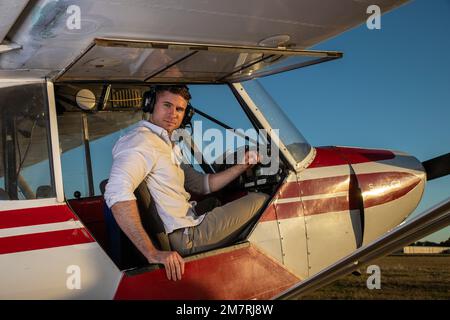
(161, 132)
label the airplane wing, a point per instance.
(428, 222)
(49, 43)
(9, 13)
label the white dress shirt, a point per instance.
(146, 152)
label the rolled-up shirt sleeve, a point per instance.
(130, 167)
(195, 181)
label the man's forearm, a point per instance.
(127, 216)
(219, 180)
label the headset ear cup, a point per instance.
(189, 113)
(144, 106)
(153, 100)
(148, 100)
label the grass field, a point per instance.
(402, 277)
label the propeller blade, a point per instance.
(437, 167)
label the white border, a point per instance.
(313, 197)
(57, 172)
(40, 228)
(6, 205)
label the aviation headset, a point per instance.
(149, 101)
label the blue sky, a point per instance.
(390, 91)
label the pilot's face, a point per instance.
(169, 111)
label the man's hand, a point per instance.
(251, 158)
(172, 261)
(218, 180)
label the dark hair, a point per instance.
(181, 90)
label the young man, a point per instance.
(147, 152)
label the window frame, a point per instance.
(53, 152)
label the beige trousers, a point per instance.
(219, 227)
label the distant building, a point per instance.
(424, 250)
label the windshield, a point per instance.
(289, 135)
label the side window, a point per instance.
(73, 157)
(103, 129)
(211, 138)
(25, 166)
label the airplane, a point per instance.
(72, 77)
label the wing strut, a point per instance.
(428, 222)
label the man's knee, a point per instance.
(258, 196)
(257, 199)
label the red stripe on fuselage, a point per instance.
(289, 210)
(35, 216)
(358, 155)
(289, 190)
(336, 156)
(378, 188)
(269, 214)
(327, 157)
(315, 187)
(44, 240)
